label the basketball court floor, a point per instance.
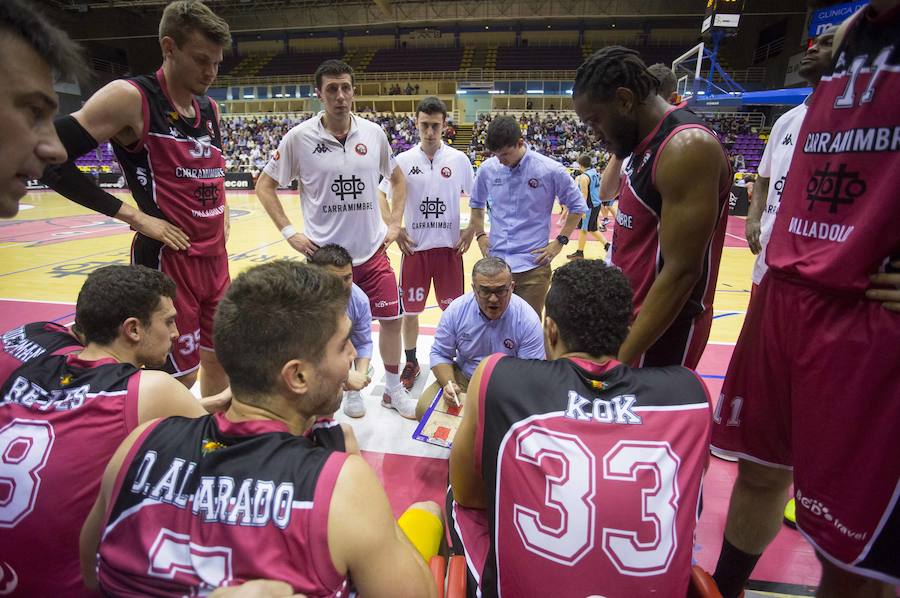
(46, 252)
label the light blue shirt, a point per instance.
(521, 200)
(465, 336)
(360, 314)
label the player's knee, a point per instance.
(762, 478)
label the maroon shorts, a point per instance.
(682, 344)
(813, 384)
(201, 282)
(443, 265)
(377, 280)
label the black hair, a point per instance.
(112, 294)
(503, 132)
(610, 68)
(333, 68)
(331, 255)
(51, 43)
(591, 304)
(666, 78)
(271, 314)
(432, 105)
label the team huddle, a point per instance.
(578, 466)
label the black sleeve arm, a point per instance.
(70, 182)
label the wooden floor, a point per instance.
(46, 252)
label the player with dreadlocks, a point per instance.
(672, 205)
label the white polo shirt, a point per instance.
(337, 183)
(433, 189)
(774, 165)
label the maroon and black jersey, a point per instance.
(29, 341)
(636, 246)
(839, 214)
(593, 477)
(61, 419)
(176, 170)
(201, 503)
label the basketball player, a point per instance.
(491, 319)
(612, 175)
(673, 205)
(165, 134)
(589, 185)
(31, 51)
(776, 159)
(555, 460)
(792, 406)
(242, 494)
(337, 260)
(337, 158)
(436, 174)
(522, 185)
(64, 410)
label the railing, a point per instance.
(465, 75)
(105, 66)
(756, 119)
(773, 48)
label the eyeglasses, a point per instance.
(486, 292)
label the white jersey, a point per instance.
(774, 165)
(433, 189)
(337, 182)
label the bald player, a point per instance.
(64, 408)
(673, 205)
(164, 130)
(32, 52)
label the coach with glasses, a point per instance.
(489, 319)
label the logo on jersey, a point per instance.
(432, 207)
(9, 580)
(834, 187)
(361, 149)
(415, 170)
(174, 132)
(508, 343)
(788, 140)
(209, 127)
(644, 160)
(173, 115)
(210, 446)
(354, 186)
(321, 148)
(141, 174)
(446, 172)
(617, 410)
(202, 147)
(277, 156)
(65, 379)
(205, 193)
(533, 183)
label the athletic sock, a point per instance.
(733, 570)
(411, 355)
(392, 376)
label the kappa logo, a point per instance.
(446, 172)
(788, 139)
(321, 148)
(361, 149)
(533, 183)
(174, 132)
(415, 170)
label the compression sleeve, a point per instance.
(70, 182)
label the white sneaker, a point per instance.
(353, 404)
(399, 398)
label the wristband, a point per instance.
(288, 231)
(479, 235)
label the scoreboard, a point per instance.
(722, 15)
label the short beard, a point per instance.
(626, 133)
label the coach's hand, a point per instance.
(465, 240)
(545, 254)
(302, 243)
(751, 231)
(405, 242)
(890, 297)
(161, 230)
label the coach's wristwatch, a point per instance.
(562, 239)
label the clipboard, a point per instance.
(440, 422)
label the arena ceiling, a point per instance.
(117, 19)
